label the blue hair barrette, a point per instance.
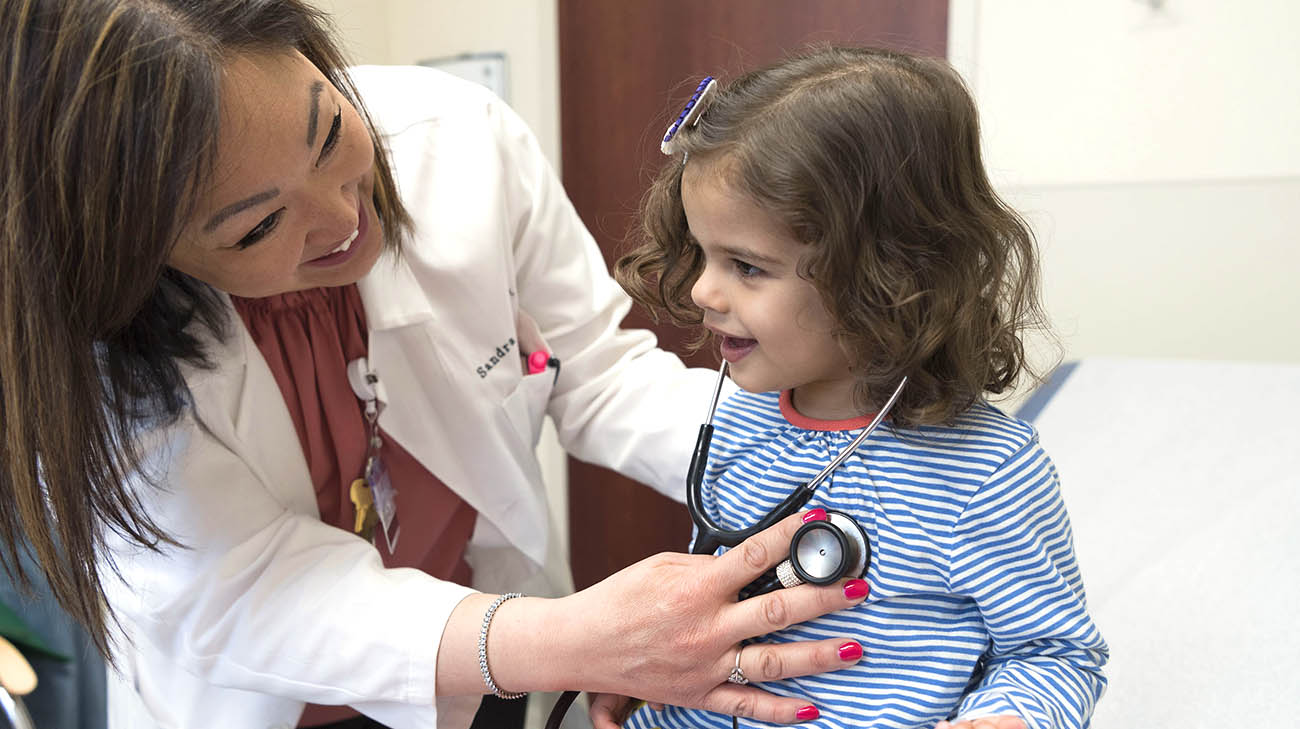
(691, 113)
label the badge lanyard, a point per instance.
(373, 495)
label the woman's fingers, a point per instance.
(761, 662)
(752, 703)
(770, 662)
(780, 609)
(681, 611)
(739, 566)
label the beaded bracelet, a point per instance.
(482, 649)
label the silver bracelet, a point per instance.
(482, 649)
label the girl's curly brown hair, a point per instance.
(872, 159)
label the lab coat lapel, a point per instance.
(429, 406)
(392, 296)
(232, 403)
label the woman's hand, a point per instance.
(667, 630)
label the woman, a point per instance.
(206, 270)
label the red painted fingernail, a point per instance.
(850, 651)
(807, 712)
(854, 589)
(815, 515)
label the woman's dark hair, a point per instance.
(872, 159)
(111, 112)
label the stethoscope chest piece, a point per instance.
(824, 552)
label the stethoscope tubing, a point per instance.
(709, 535)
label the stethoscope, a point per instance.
(821, 552)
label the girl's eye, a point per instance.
(331, 139)
(746, 270)
(262, 230)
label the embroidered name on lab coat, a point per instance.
(497, 358)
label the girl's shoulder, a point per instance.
(987, 421)
(980, 440)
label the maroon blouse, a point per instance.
(307, 339)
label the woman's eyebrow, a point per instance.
(313, 121)
(313, 113)
(220, 216)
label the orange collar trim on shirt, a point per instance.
(802, 421)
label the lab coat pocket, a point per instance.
(526, 406)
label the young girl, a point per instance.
(829, 222)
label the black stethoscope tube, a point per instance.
(709, 535)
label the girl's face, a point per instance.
(290, 204)
(774, 330)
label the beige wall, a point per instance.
(363, 25)
(408, 31)
(1152, 145)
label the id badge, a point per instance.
(385, 496)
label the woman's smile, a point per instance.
(350, 245)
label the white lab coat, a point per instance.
(267, 607)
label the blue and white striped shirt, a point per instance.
(976, 605)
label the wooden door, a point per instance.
(626, 68)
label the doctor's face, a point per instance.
(289, 206)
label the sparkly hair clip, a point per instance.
(691, 114)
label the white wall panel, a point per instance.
(1152, 146)
(1133, 90)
